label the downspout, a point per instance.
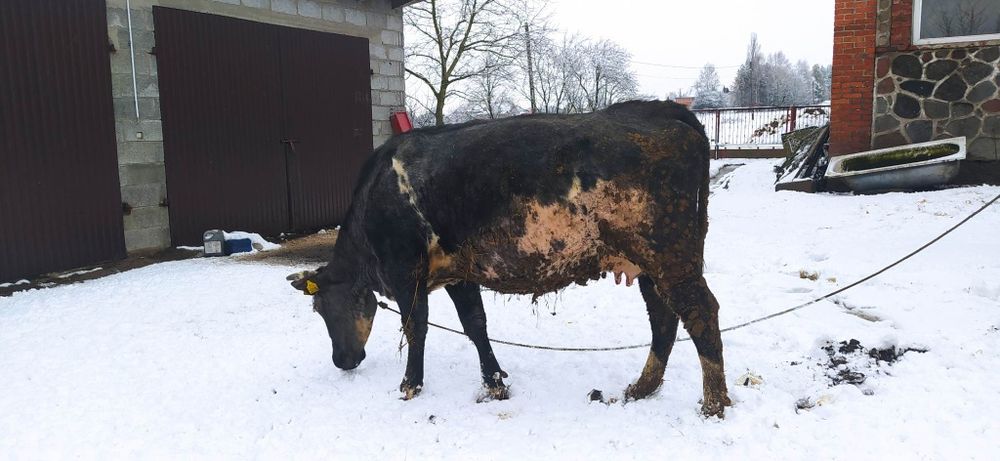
(131, 49)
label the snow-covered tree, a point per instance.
(774, 81)
(555, 64)
(782, 85)
(803, 83)
(579, 75)
(822, 79)
(748, 85)
(535, 28)
(604, 76)
(708, 89)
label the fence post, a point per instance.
(792, 116)
(718, 125)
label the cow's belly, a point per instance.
(508, 271)
(536, 273)
(545, 275)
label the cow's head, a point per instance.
(347, 306)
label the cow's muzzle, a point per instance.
(348, 361)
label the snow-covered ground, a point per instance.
(222, 359)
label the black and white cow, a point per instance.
(529, 205)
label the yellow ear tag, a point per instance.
(311, 287)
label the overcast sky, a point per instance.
(691, 33)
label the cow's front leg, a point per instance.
(413, 307)
(469, 304)
(663, 323)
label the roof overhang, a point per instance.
(401, 3)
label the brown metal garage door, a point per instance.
(327, 109)
(60, 204)
(265, 127)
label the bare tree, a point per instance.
(577, 75)
(604, 77)
(421, 110)
(535, 27)
(490, 92)
(555, 66)
(448, 39)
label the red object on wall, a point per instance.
(853, 76)
(401, 123)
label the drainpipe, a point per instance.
(131, 49)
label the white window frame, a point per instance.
(917, 8)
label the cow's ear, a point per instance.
(305, 282)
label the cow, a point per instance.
(529, 205)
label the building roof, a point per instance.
(401, 3)
(687, 101)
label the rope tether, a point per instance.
(734, 327)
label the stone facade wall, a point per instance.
(140, 140)
(925, 92)
(888, 91)
(853, 75)
(934, 94)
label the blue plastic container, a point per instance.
(238, 246)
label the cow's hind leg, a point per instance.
(469, 304)
(663, 323)
(697, 307)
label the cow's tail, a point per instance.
(703, 190)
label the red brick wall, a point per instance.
(853, 76)
(901, 35)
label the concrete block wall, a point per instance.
(140, 139)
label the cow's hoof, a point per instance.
(641, 389)
(715, 407)
(494, 387)
(410, 390)
(500, 392)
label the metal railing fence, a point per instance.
(747, 128)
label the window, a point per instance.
(949, 21)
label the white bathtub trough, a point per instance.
(910, 167)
